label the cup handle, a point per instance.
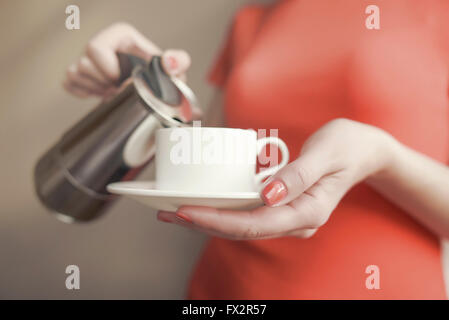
(271, 170)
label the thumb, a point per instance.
(295, 178)
(176, 62)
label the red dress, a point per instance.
(296, 65)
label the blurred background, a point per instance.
(127, 253)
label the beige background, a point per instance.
(127, 254)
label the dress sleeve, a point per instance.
(240, 36)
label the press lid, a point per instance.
(168, 97)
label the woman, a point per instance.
(365, 114)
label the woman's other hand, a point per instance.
(301, 196)
(97, 71)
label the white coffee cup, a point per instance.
(211, 160)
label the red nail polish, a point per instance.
(183, 217)
(274, 192)
(172, 63)
(164, 219)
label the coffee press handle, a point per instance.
(127, 62)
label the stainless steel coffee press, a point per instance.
(114, 142)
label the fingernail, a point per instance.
(171, 63)
(183, 217)
(163, 219)
(274, 192)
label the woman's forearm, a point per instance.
(417, 184)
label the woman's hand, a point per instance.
(301, 196)
(97, 71)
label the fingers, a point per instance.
(300, 218)
(120, 37)
(83, 85)
(76, 78)
(87, 68)
(302, 233)
(261, 223)
(176, 62)
(75, 90)
(172, 217)
(98, 70)
(136, 44)
(295, 178)
(317, 203)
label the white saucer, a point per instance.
(145, 192)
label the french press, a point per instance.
(114, 142)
